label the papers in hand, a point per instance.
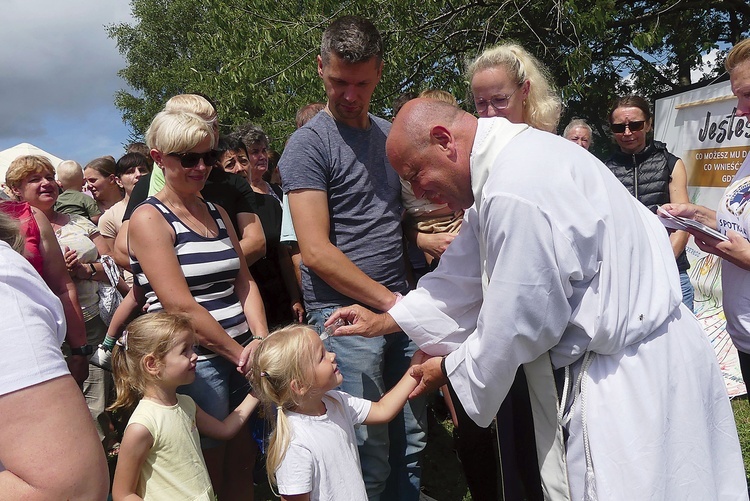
(689, 225)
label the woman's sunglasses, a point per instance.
(190, 160)
(634, 126)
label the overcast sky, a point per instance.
(59, 76)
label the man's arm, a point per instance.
(311, 223)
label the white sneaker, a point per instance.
(102, 358)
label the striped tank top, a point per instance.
(210, 266)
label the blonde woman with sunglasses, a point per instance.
(186, 257)
(651, 173)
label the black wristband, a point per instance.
(84, 350)
(442, 367)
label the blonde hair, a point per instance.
(10, 232)
(192, 103)
(70, 174)
(23, 166)
(439, 95)
(543, 106)
(738, 55)
(286, 355)
(173, 131)
(151, 334)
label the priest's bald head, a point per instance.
(430, 146)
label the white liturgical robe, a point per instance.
(558, 267)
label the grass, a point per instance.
(443, 479)
(741, 409)
(442, 476)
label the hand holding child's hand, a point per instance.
(429, 374)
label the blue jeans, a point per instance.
(390, 453)
(687, 290)
(218, 389)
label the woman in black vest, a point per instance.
(652, 174)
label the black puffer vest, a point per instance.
(646, 175)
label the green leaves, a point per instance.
(257, 60)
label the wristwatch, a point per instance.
(84, 350)
(92, 269)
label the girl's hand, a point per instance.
(419, 358)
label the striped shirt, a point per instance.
(210, 266)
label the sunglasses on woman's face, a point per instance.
(190, 159)
(634, 126)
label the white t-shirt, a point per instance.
(733, 214)
(32, 328)
(322, 458)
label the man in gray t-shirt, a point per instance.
(345, 203)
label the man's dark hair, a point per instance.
(352, 38)
(401, 100)
(230, 143)
(306, 113)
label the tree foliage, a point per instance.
(257, 60)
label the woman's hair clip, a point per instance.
(263, 374)
(123, 341)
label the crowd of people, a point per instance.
(263, 310)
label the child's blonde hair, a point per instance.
(285, 357)
(152, 334)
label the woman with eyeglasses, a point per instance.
(186, 256)
(651, 173)
(507, 81)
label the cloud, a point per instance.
(58, 64)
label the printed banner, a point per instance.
(701, 127)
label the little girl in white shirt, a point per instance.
(312, 452)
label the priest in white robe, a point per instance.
(558, 268)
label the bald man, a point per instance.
(557, 268)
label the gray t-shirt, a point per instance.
(364, 200)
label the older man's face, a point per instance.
(579, 135)
(433, 174)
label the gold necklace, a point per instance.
(190, 217)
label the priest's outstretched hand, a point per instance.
(356, 320)
(429, 374)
